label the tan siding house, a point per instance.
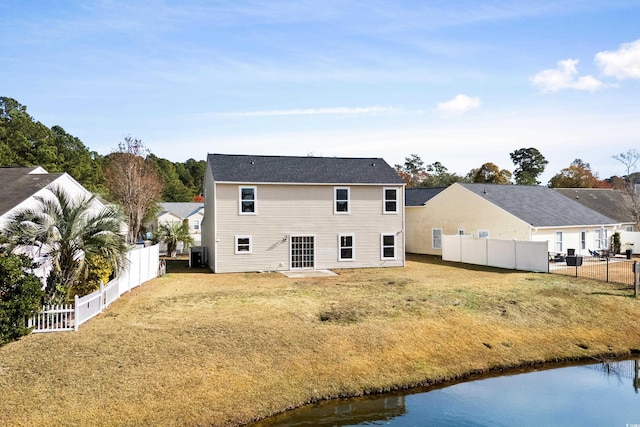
(288, 213)
(189, 213)
(511, 212)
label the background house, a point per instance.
(20, 186)
(513, 212)
(266, 213)
(607, 201)
(187, 213)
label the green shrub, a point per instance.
(21, 296)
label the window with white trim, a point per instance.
(558, 241)
(341, 200)
(583, 239)
(387, 246)
(483, 234)
(460, 231)
(243, 244)
(247, 200)
(390, 202)
(436, 238)
(345, 247)
(196, 224)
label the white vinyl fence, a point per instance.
(511, 254)
(143, 265)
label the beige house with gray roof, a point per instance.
(511, 212)
(273, 213)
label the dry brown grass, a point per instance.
(200, 349)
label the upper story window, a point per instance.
(341, 200)
(248, 197)
(196, 224)
(390, 200)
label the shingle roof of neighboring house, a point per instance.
(307, 170)
(607, 201)
(539, 206)
(181, 209)
(18, 184)
(418, 196)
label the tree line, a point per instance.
(529, 164)
(25, 141)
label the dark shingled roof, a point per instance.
(18, 185)
(607, 201)
(306, 170)
(539, 206)
(418, 196)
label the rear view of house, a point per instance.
(268, 213)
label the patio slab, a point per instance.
(296, 274)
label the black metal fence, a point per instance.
(606, 269)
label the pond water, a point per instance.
(603, 394)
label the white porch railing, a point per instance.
(142, 265)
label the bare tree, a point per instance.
(629, 193)
(133, 182)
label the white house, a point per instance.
(267, 213)
(512, 212)
(20, 186)
(189, 213)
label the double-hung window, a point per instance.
(243, 245)
(390, 202)
(341, 200)
(387, 246)
(436, 238)
(345, 247)
(558, 241)
(248, 198)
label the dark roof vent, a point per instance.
(373, 164)
(252, 162)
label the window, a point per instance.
(243, 244)
(247, 200)
(345, 243)
(483, 234)
(390, 201)
(583, 240)
(196, 224)
(388, 246)
(460, 231)
(558, 241)
(436, 238)
(628, 228)
(341, 204)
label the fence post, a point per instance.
(607, 271)
(75, 314)
(636, 274)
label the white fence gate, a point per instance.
(511, 254)
(142, 265)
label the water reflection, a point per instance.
(599, 394)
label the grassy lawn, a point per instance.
(193, 348)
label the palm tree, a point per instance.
(64, 234)
(171, 233)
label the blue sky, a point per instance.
(459, 82)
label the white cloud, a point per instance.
(565, 77)
(459, 104)
(314, 112)
(623, 63)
